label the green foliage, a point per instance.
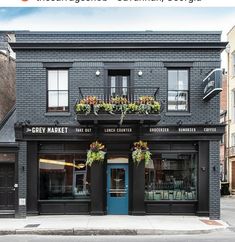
(108, 107)
(141, 153)
(132, 107)
(155, 107)
(95, 153)
(83, 108)
(145, 105)
(94, 156)
(144, 108)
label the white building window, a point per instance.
(57, 91)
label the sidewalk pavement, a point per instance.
(110, 225)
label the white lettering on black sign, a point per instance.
(118, 130)
(47, 130)
(159, 130)
(209, 129)
(187, 130)
(83, 130)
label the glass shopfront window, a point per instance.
(171, 177)
(64, 177)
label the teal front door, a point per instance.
(117, 189)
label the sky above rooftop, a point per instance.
(100, 19)
(116, 19)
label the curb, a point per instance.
(88, 232)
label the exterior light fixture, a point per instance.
(97, 73)
(140, 73)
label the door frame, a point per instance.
(13, 148)
(118, 66)
(118, 165)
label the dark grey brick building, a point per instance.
(58, 71)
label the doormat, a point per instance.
(211, 222)
(31, 225)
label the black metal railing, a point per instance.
(105, 94)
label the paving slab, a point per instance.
(110, 225)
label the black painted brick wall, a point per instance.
(31, 83)
(214, 181)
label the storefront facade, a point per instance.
(56, 71)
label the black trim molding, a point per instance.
(57, 64)
(121, 45)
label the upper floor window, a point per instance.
(57, 91)
(178, 91)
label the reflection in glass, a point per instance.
(7, 157)
(124, 86)
(117, 186)
(63, 177)
(113, 86)
(178, 90)
(171, 177)
(58, 90)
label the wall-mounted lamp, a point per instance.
(97, 73)
(140, 73)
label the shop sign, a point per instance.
(73, 130)
(185, 130)
(56, 130)
(118, 130)
(212, 84)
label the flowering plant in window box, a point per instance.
(118, 105)
(141, 153)
(147, 105)
(96, 153)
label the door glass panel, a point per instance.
(113, 85)
(117, 184)
(124, 85)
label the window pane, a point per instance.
(171, 177)
(183, 80)
(124, 85)
(52, 80)
(182, 101)
(172, 100)
(5, 157)
(52, 99)
(172, 80)
(117, 178)
(63, 80)
(60, 180)
(63, 99)
(113, 85)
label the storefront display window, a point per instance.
(64, 177)
(171, 176)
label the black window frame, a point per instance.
(188, 91)
(47, 91)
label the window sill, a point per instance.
(57, 114)
(178, 114)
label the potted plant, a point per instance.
(96, 153)
(141, 153)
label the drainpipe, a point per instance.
(228, 117)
